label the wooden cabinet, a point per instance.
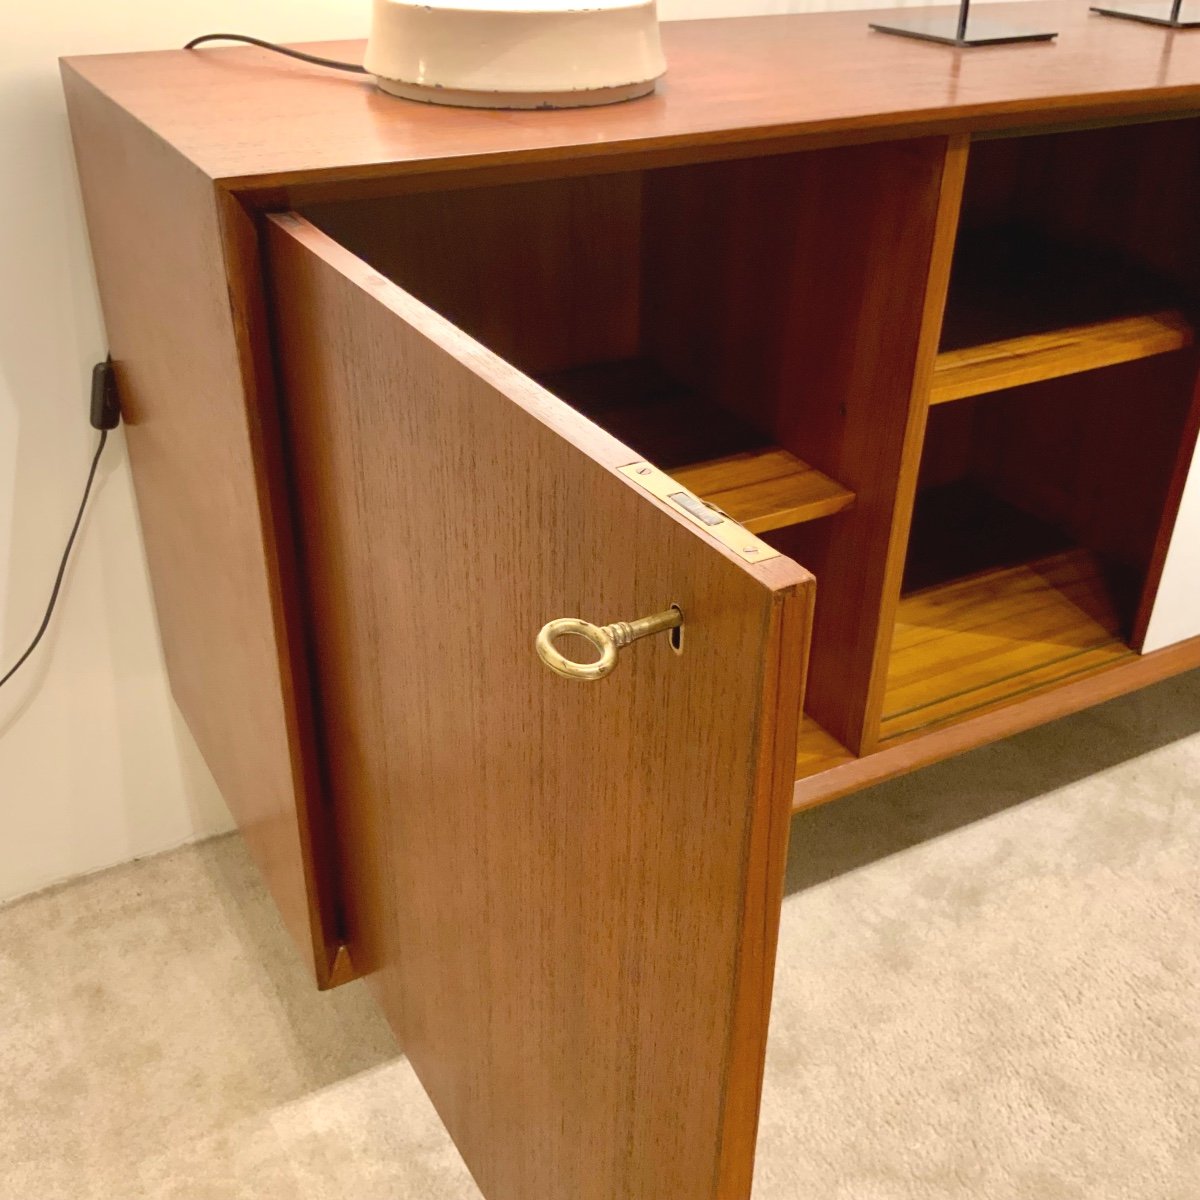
(874, 360)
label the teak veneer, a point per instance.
(982, 641)
(765, 489)
(921, 390)
(994, 366)
(721, 458)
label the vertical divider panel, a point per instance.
(933, 309)
(804, 292)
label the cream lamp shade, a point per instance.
(516, 53)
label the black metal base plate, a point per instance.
(944, 29)
(1150, 14)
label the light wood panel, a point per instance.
(943, 238)
(176, 266)
(730, 84)
(1123, 676)
(1010, 362)
(566, 895)
(978, 642)
(766, 489)
(816, 751)
(710, 450)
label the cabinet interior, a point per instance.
(1059, 400)
(1036, 517)
(756, 329)
(714, 318)
(644, 300)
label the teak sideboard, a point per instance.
(874, 359)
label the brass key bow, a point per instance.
(607, 639)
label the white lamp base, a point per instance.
(464, 98)
(515, 53)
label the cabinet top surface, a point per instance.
(253, 118)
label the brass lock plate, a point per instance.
(725, 529)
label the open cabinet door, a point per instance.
(565, 894)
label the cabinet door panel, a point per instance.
(564, 894)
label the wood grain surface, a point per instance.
(992, 366)
(979, 642)
(171, 263)
(766, 489)
(893, 537)
(1091, 454)
(565, 895)
(772, 288)
(548, 274)
(667, 420)
(816, 751)
(1118, 201)
(1126, 674)
(729, 82)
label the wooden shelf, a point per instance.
(974, 644)
(1024, 308)
(993, 366)
(817, 751)
(765, 489)
(708, 450)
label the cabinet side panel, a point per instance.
(179, 337)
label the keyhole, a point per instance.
(676, 634)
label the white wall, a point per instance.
(96, 766)
(1176, 615)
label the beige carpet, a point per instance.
(989, 986)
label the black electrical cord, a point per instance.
(62, 566)
(253, 41)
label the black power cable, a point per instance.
(253, 41)
(62, 566)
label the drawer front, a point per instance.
(564, 893)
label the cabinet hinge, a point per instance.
(707, 516)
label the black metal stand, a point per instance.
(1152, 14)
(953, 31)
